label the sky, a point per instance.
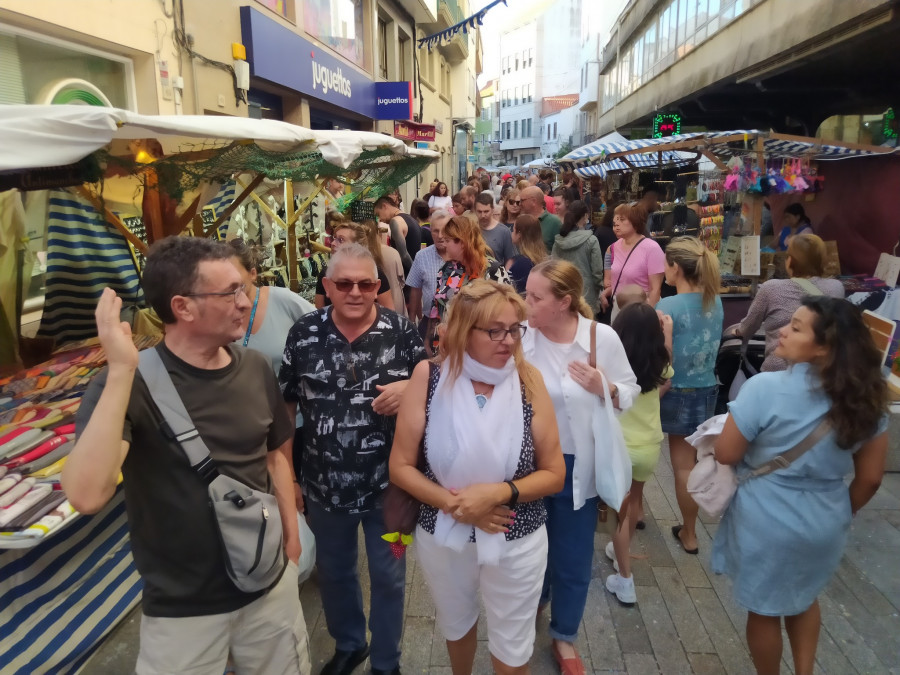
(495, 21)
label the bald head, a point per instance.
(533, 179)
(468, 194)
(532, 201)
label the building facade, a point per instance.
(724, 64)
(312, 63)
(538, 59)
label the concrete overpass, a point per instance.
(782, 64)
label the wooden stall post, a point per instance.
(293, 270)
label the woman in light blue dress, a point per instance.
(783, 535)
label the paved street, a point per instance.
(685, 620)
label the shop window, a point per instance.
(403, 54)
(382, 49)
(338, 24)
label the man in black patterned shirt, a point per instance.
(347, 366)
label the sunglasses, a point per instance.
(514, 202)
(347, 286)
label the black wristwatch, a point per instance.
(515, 494)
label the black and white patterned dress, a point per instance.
(530, 516)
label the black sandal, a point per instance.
(675, 530)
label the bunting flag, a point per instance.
(472, 22)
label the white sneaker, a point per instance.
(611, 554)
(622, 588)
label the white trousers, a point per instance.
(267, 637)
(510, 591)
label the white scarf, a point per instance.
(468, 445)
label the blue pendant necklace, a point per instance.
(481, 400)
(252, 316)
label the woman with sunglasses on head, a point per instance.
(491, 454)
(512, 207)
(468, 259)
(529, 242)
(349, 232)
(558, 343)
(782, 537)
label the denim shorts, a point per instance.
(681, 411)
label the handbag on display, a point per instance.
(713, 484)
(248, 520)
(612, 464)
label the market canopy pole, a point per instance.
(290, 216)
(235, 204)
(112, 219)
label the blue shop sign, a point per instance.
(280, 56)
(393, 101)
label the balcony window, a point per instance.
(337, 23)
(516, 129)
(382, 49)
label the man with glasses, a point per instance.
(193, 615)
(346, 366)
(533, 204)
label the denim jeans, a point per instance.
(571, 554)
(336, 561)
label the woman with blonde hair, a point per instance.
(467, 260)
(778, 299)
(388, 260)
(558, 343)
(345, 232)
(491, 453)
(512, 207)
(696, 313)
(529, 241)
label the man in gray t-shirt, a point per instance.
(497, 237)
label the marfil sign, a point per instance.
(410, 131)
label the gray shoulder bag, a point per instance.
(248, 520)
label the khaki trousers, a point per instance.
(267, 637)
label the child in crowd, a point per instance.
(647, 338)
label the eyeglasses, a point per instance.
(224, 294)
(347, 286)
(499, 334)
(514, 202)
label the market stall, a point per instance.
(67, 579)
(722, 184)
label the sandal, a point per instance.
(675, 530)
(568, 666)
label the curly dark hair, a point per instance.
(645, 345)
(851, 372)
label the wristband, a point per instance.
(514, 499)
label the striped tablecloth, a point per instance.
(59, 599)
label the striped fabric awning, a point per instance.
(84, 256)
(62, 597)
(722, 144)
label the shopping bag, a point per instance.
(612, 465)
(307, 549)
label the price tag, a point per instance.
(750, 256)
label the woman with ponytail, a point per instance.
(581, 248)
(784, 533)
(558, 343)
(697, 316)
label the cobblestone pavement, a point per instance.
(685, 620)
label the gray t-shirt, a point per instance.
(284, 308)
(500, 240)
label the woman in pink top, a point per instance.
(633, 258)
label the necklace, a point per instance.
(480, 398)
(252, 316)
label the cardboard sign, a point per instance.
(750, 256)
(888, 269)
(729, 255)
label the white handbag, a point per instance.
(612, 464)
(713, 485)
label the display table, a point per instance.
(63, 595)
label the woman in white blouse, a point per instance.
(558, 344)
(440, 198)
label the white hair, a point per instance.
(441, 213)
(350, 251)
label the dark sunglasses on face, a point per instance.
(514, 202)
(347, 286)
